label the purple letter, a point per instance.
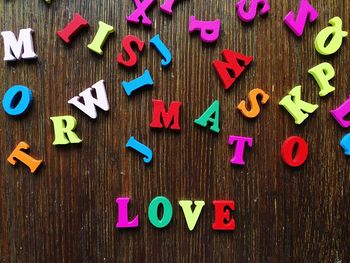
(210, 30)
(167, 6)
(305, 10)
(123, 220)
(248, 16)
(240, 144)
(140, 11)
(340, 113)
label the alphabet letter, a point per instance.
(19, 154)
(138, 83)
(17, 100)
(141, 148)
(126, 43)
(206, 117)
(100, 38)
(248, 16)
(340, 113)
(123, 219)
(223, 219)
(191, 217)
(162, 49)
(301, 153)
(255, 108)
(64, 130)
(240, 145)
(160, 112)
(72, 28)
(153, 212)
(140, 12)
(209, 30)
(323, 73)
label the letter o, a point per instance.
(153, 212)
(301, 151)
(17, 100)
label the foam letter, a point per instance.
(140, 12)
(64, 130)
(19, 154)
(123, 218)
(248, 16)
(296, 107)
(168, 117)
(141, 148)
(234, 61)
(206, 117)
(305, 12)
(209, 30)
(240, 145)
(100, 38)
(153, 212)
(345, 144)
(223, 219)
(138, 83)
(167, 7)
(340, 113)
(17, 100)
(126, 43)
(88, 107)
(162, 49)
(301, 151)
(72, 28)
(191, 216)
(255, 108)
(323, 73)
(23, 48)
(337, 37)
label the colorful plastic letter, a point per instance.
(153, 212)
(345, 144)
(140, 12)
(191, 216)
(23, 48)
(72, 28)
(126, 43)
(162, 49)
(167, 7)
(248, 16)
(172, 116)
(206, 117)
(306, 13)
(254, 105)
(240, 145)
(236, 64)
(20, 155)
(100, 38)
(323, 73)
(141, 148)
(138, 83)
(341, 112)
(17, 100)
(209, 30)
(335, 32)
(297, 107)
(301, 154)
(123, 214)
(64, 127)
(222, 211)
(89, 101)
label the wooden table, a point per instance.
(66, 212)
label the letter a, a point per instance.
(23, 48)
(88, 107)
(206, 117)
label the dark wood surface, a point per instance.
(66, 212)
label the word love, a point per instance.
(223, 213)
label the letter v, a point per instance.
(88, 106)
(191, 216)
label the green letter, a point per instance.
(64, 126)
(203, 120)
(191, 217)
(153, 212)
(323, 73)
(296, 107)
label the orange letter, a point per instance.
(23, 157)
(255, 108)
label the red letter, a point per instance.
(126, 43)
(72, 28)
(223, 219)
(172, 114)
(301, 152)
(233, 65)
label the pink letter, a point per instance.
(167, 6)
(123, 220)
(240, 144)
(140, 11)
(248, 16)
(340, 113)
(210, 30)
(305, 11)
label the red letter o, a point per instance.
(301, 151)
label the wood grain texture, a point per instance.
(67, 212)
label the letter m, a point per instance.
(168, 117)
(21, 48)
